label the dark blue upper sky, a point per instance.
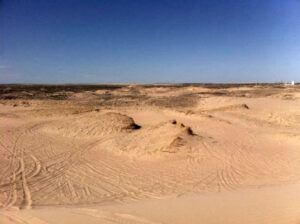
(87, 41)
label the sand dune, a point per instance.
(150, 154)
(156, 140)
(91, 124)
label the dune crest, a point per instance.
(92, 124)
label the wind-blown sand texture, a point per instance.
(183, 153)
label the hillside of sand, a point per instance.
(149, 153)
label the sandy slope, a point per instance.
(218, 158)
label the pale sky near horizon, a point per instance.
(140, 41)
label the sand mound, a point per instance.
(93, 124)
(180, 142)
(118, 122)
(171, 137)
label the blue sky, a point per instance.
(117, 41)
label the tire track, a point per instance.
(26, 203)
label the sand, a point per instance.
(150, 154)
